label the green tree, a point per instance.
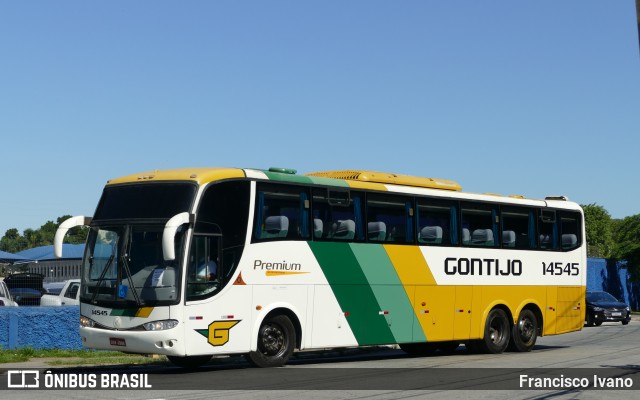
(598, 225)
(48, 232)
(33, 238)
(12, 241)
(627, 239)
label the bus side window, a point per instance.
(570, 229)
(481, 223)
(547, 230)
(389, 218)
(436, 222)
(203, 274)
(224, 210)
(517, 228)
(282, 213)
(337, 215)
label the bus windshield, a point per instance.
(124, 267)
(123, 264)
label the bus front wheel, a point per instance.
(496, 332)
(276, 342)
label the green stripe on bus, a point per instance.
(293, 178)
(389, 291)
(124, 312)
(318, 180)
(353, 292)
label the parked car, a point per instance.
(67, 296)
(26, 288)
(603, 307)
(6, 299)
(54, 287)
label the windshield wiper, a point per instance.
(101, 279)
(125, 266)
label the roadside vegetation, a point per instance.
(76, 357)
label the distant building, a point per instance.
(41, 260)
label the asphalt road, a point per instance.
(575, 363)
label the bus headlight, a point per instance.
(160, 325)
(86, 322)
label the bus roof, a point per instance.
(354, 179)
(199, 175)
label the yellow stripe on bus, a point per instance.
(366, 185)
(410, 265)
(144, 312)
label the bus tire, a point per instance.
(276, 342)
(497, 332)
(525, 332)
(419, 349)
(589, 321)
(189, 362)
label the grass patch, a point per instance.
(119, 358)
(76, 357)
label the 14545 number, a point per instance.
(558, 268)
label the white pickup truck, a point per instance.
(69, 295)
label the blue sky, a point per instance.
(532, 98)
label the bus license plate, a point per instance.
(117, 342)
(616, 314)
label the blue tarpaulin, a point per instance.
(10, 258)
(46, 252)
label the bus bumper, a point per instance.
(167, 342)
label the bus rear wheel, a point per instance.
(525, 332)
(276, 342)
(189, 362)
(497, 331)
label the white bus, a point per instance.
(193, 263)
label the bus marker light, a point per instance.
(347, 313)
(227, 317)
(459, 311)
(258, 308)
(197, 318)
(239, 280)
(383, 312)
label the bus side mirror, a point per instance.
(64, 228)
(169, 234)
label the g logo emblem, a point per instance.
(218, 332)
